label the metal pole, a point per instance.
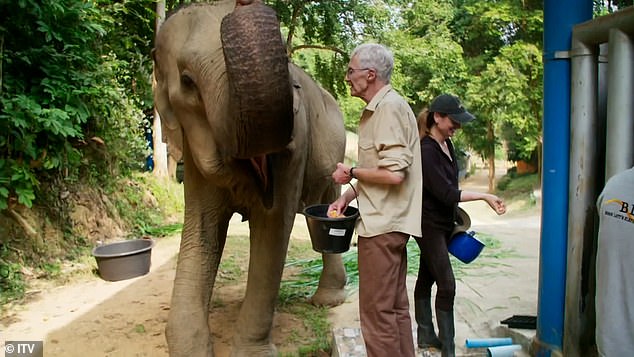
(559, 17)
(620, 120)
(584, 160)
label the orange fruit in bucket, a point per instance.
(333, 214)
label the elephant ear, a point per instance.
(257, 71)
(171, 130)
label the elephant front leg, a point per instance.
(269, 242)
(331, 290)
(202, 243)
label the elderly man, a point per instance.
(389, 187)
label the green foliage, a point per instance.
(514, 187)
(514, 184)
(61, 87)
(507, 95)
(351, 107)
(428, 60)
(501, 42)
(130, 40)
(12, 284)
(169, 195)
(321, 34)
(601, 7)
(51, 269)
(164, 230)
(485, 27)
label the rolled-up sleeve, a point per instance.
(391, 141)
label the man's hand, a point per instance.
(342, 174)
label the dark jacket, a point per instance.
(440, 185)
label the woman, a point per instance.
(441, 195)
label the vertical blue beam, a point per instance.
(559, 18)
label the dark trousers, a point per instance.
(435, 267)
(383, 305)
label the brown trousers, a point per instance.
(383, 305)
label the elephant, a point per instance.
(260, 138)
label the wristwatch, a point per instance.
(352, 172)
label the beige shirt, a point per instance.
(388, 138)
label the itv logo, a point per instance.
(24, 349)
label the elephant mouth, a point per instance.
(261, 169)
(263, 175)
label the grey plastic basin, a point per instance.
(124, 260)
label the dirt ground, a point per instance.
(92, 317)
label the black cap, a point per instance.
(450, 105)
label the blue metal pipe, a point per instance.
(559, 18)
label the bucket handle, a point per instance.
(356, 194)
(356, 197)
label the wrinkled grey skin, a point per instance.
(192, 97)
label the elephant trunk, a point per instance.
(257, 71)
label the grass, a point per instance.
(514, 187)
(309, 269)
(315, 319)
(164, 230)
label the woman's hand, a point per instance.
(496, 203)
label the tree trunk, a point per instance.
(491, 161)
(160, 148)
(491, 156)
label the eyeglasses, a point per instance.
(351, 70)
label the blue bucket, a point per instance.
(465, 246)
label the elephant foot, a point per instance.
(329, 297)
(185, 340)
(196, 349)
(267, 350)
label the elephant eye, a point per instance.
(187, 81)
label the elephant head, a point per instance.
(244, 111)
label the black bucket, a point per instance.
(330, 235)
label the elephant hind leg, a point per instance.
(331, 289)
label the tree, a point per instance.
(159, 153)
(501, 40)
(64, 110)
(320, 35)
(429, 61)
